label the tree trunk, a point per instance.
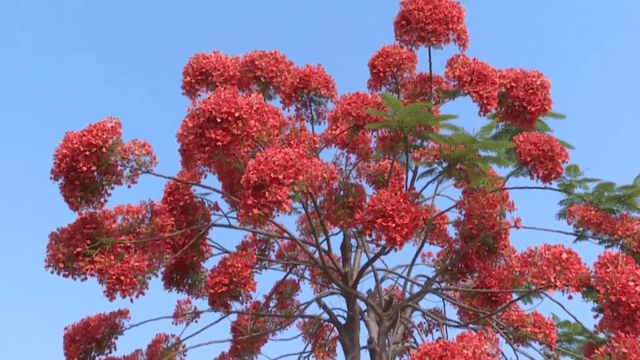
(349, 337)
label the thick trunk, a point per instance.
(350, 334)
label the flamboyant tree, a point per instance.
(376, 238)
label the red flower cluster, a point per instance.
(283, 296)
(207, 72)
(478, 79)
(94, 335)
(379, 174)
(161, 347)
(530, 326)
(393, 216)
(467, 345)
(183, 221)
(342, 203)
(309, 90)
(553, 267)
(617, 280)
(104, 245)
(347, 120)
(496, 281)
(542, 153)
(274, 175)
(322, 337)
(483, 216)
(432, 23)
(319, 279)
(90, 163)
(423, 87)
(226, 125)
(389, 66)
(165, 347)
(525, 96)
(185, 312)
(601, 224)
(435, 226)
(250, 332)
(265, 72)
(621, 347)
(231, 280)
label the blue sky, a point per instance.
(68, 63)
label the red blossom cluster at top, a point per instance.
(389, 66)
(90, 163)
(542, 153)
(431, 23)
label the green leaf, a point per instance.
(445, 117)
(450, 94)
(450, 127)
(496, 144)
(542, 126)
(377, 112)
(636, 181)
(566, 144)
(416, 109)
(487, 129)
(391, 102)
(379, 125)
(589, 180)
(572, 170)
(555, 115)
(605, 187)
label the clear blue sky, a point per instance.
(65, 64)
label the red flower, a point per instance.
(617, 280)
(524, 97)
(231, 280)
(553, 267)
(431, 23)
(267, 72)
(90, 163)
(389, 66)
(393, 216)
(347, 120)
(322, 337)
(94, 335)
(542, 153)
(185, 312)
(533, 325)
(467, 345)
(478, 79)
(207, 72)
(309, 89)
